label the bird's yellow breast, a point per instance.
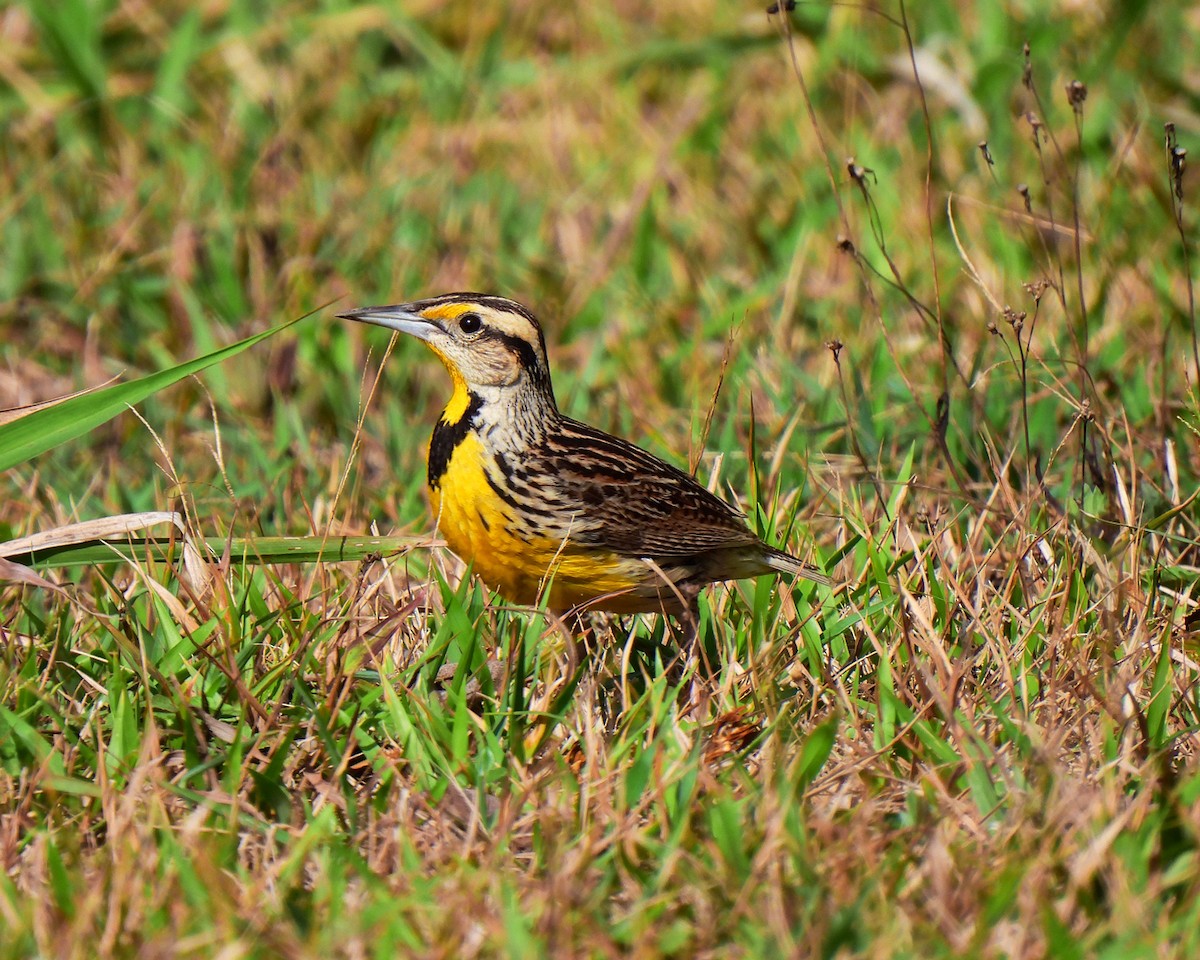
(489, 534)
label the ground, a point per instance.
(913, 285)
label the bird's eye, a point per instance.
(470, 323)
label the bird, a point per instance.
(546, 508)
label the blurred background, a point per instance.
(645, 176)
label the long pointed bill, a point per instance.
(398, 317)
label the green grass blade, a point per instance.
(170, 87)
(44, 429)
(818, 745)
(72, 31)
(247, 550)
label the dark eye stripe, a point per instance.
(524, 350)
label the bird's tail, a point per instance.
(786, 563)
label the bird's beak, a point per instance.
(398, 317)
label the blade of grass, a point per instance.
(72, 31)
(244, 549)
(22, 440)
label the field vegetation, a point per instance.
(911, 283)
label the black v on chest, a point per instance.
(446, 438)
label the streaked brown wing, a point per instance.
(629, 501)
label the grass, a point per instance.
(968, 388)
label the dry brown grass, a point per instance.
(983, 745)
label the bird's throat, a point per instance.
(460, 400)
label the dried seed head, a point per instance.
(1015, 318)
(987, 153)
(846, 245)
(835, 347)
(1076, 94)
(1176, 160)
(858, 174)
(1023, 190)
(1036, 289)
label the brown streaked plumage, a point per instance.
(541, 504)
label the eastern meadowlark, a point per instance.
(543, 505)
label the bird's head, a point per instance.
(487, 343)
